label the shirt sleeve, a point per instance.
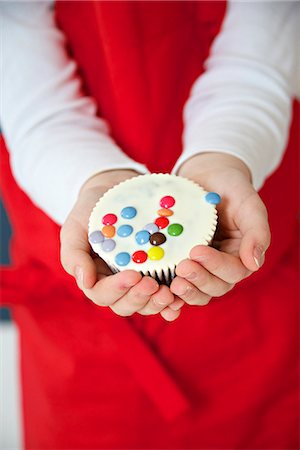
(55, 139)
(241, 104)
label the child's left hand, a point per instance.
(243, 233)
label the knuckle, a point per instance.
(195, 297)
(239, 276)
(137, 298)
(105, 302)
(205, 300)
(94, 299)
(146, 312)
(100, 300)
(191, 296)
(121, 312)
(203, 279)
(222, 291)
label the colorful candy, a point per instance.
(142, 237)
(122, 259)
(151, 228)
(124, 230)
(108, 231)
(139, 257)
(167, 201)
(96, 237)
(213, 198)
(108, 245)
(162, 222)
(165, 212)
(129, 212)
(109, 219)
(149, 233)
(175, 229)
(156, 253)
(157, 238)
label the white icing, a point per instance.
(144, 192)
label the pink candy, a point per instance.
(109, 219)
(167, 202)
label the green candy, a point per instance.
(175, 229)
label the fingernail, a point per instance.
(191, 276)
(79, 276)
(160, 302)
(259, 256)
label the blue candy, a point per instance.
(129, 212)
(108, 245)
(151, 228)
(142, 237)
(96, 237)
(213, 198)
(122, 259)
(124, 230)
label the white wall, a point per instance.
(10, 411)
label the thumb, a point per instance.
(75, 254)
(252, 221)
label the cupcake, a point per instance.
(151, 222)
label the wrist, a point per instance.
(204, 164)
(108, 178)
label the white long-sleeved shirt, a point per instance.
(241, 104)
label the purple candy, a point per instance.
(108, 245)
(151, 228)
(96, 237)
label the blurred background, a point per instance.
(10, 398)
(4, 235)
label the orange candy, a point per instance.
(108, 231)
(164, 212)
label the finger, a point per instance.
(110, 289)
(75, 254)
(252, 220)
(228, 268)
(158, 301)
(136, 298)
(168, 312)
(202, 279)
(177, 304)
(188, 292)
(170, 315)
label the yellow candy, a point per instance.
(155, 253)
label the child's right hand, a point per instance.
(126, 292)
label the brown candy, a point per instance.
(157, 238)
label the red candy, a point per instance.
(109, 219)
(162, 222)
(139, 257)
(167, 201)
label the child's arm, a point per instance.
(241, 104)
(56, 141)
(236, 127)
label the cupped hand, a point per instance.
(242, 236)
(126, 292)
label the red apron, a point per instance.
(222, 376)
